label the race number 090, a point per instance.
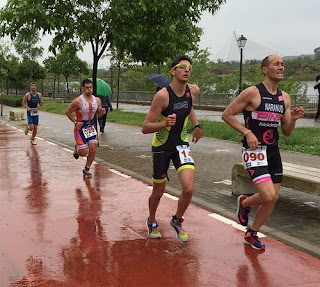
(253, 156)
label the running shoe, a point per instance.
(33, 142)
(176, 225)
(242, 211)
(253, 240)
(86, 172)
(75, 153)
(153, 229)
(26, 131)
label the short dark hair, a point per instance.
(33, 83)
(86, 81)
(265, 62)
(179, 59)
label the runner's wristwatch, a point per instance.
(198, 126)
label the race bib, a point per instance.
(33, 112)
(185, 154)
(254, 157)
(89, 131)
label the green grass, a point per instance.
(304, 140)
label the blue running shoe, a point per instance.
(253, 240)
(242, 211)
(153, 229)
(86, 172)
(176, 225)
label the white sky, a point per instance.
(287, 27)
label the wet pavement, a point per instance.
(295, 220)
(58, 229)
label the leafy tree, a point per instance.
(150, 31)
(317, 54)
(70, 64)
(27, 48)
(53, 66)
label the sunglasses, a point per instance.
(183, 66)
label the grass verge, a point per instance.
(304, 140)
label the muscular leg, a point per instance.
(187, 181)
(30, 127)
(154, 199)
(35, 130)
(92, 153)
(266, 199)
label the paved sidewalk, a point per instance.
(58, 229)
(295, 220)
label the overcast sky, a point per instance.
(287, 27)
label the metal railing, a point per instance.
(310, 102)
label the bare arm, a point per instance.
(288, 121)
(246, 100)
(75, 105)
(159, 103)
(41, 102)
(100, 111)
(24, 101)
(197, 132)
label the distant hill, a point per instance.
(300, 56)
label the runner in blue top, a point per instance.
(31, 101)
(264, 108)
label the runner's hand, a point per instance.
(252, 140)
(297, 113)
(196, 135)
(171, 120)
(79, 125)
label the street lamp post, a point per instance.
(241, 43)
(111, 74)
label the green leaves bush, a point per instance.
(11, 100)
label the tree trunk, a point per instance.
(67, 85)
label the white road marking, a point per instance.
(220, 150)
(171, 196)
(310, 203)
(51, 143)
(119, 173)
(144, 156)
(233, 223)
(225, 181)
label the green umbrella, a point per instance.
(103, 89)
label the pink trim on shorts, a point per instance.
(261, 179)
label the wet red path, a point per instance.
(60, 230)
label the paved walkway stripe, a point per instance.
(232, 223)
(119, 173)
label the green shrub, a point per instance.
(11, 100)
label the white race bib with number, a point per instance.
(185, 154)
(89, 131)
(34, 112)
(254, 157)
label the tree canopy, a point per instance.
(150, 31)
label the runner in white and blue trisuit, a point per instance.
(264, 107)
(30, 102)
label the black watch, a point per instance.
(198, 126)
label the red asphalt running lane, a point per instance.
(58, 229)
